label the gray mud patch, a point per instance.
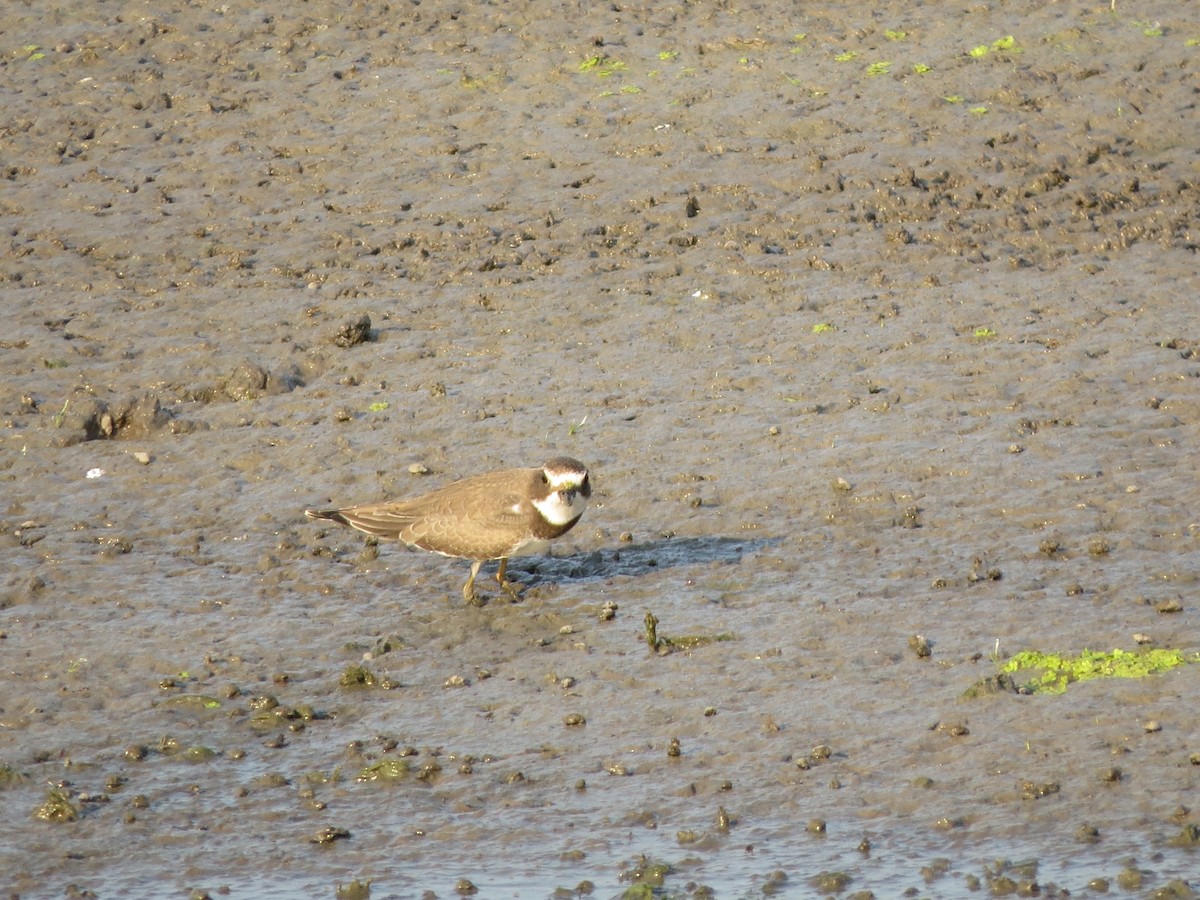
(875, 324)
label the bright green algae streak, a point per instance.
(1059, 671)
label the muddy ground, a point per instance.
(872, 321)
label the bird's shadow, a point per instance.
(635, 559)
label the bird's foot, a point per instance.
(473, 597)
(513, 589)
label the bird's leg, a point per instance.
(509, 587)
(469, 593)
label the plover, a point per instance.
(512, 512)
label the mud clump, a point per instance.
(92, 419)
(1189, 836)
(250, 382)
(993, 684)
(355, 332)
(59, 807)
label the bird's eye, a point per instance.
(545, 480)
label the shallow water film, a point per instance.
(876, 325)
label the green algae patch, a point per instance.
(355, 890)
(691, 641)
(193, 701)
(661, 644)
(390, 768)
(1057, 672)
(647, 876)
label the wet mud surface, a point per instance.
(870, 322)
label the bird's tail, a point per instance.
(333, 515)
